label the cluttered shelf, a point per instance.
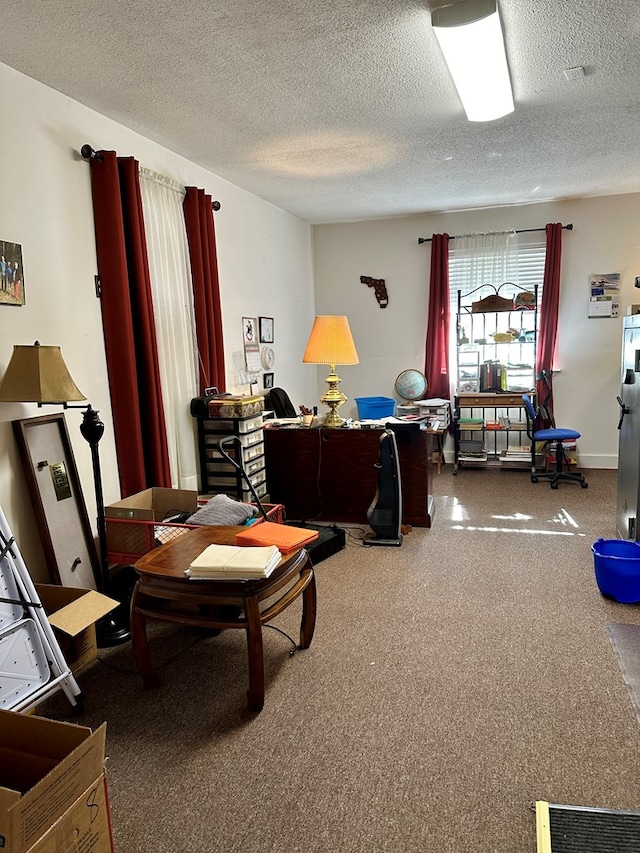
(490, 429)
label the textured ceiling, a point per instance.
(344, 110)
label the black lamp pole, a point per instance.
(110, 632)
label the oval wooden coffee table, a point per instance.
(164, 592)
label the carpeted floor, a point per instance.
(450, 684)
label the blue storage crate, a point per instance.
(617, 568)
(372, 408)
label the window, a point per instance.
(523, 265)
(494, 260)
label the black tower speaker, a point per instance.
(385, 513)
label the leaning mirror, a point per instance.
(411, 385)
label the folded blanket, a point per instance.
(222, 509)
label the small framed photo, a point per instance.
(249, 330)
(267, 381)
(11, 275)
(266, 330)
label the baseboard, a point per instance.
(598, 460)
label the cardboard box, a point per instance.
(72, 613)
(152, 504)
(45, 766)
(125, 539)
(84, 826)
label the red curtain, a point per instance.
(436, 367)
(128, 323)
(548, 332)
(201, 236)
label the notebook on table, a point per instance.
(284, 537)
(232, 561)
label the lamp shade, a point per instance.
(330, 342)
(37, 374)
(471, 39)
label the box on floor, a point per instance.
(72, 613)
(86, 825)
(46, 766)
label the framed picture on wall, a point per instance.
(249, 330)
(267, 381)
(266, 330)
(11, 276)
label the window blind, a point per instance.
(525, 269)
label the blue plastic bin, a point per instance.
(617, 567)
(372, 408)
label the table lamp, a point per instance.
(38, 374)
(330, 342)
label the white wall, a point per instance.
(605, 238)
(265, 266)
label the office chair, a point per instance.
(279, 401)
(552, 435)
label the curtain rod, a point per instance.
(519, 231)
(88, 153)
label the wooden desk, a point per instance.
(331, 475)
(163, 592)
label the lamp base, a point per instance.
(333, 419)
(115, 627)
(110, 632)
(334, 398)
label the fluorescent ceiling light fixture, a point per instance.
(470, 36)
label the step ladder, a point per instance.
(32, 665)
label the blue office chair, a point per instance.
(554, 436)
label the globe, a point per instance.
(411, 385)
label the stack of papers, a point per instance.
(285, 537)
(233, 562)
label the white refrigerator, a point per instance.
(628, 501)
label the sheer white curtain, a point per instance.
(172, 291)
(479, 259)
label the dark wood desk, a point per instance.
(163, 592)
(330, 474)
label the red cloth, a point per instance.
(548, 331)
(436, 367)
(201, 236)
(128, 324)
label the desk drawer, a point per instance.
(222, 467)
(234, 425)
(246, 453)
(499, 400)
(246, 439)
(217, 478)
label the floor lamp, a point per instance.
(38, 374)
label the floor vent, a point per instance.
(578, 829)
